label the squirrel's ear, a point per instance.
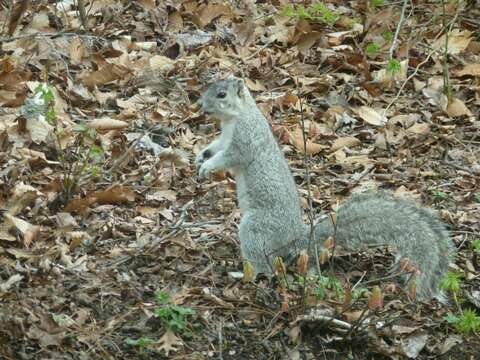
(240, 87)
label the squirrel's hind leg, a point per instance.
(255, 242)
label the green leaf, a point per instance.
(452, 282)
(451, 319)
(141, 342)
(440, 195)
(468, 322)
(288, 11)
(476, 245)
(51, 117)
(388, 36)
(80, 127)
(162, 297)
(394, 66)
(377, 3)
(372, 49)
(303, 13)
(96, 153)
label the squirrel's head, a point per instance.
(225, 99)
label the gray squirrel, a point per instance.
(271, 223)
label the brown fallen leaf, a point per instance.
(371, 116)
(105, 124)
(419, 129)
(457, 107)
(296, 139)
(248, 272)
(22, 196)
(105, 75)
(169, 342)
(44, 338)
(348, 141)
(457, 41)
(212, 11)
(77, 50)
(175, 21)
(115, 195)
(469, 69)
(352, 316)
(147, 4)
(375, 300)
(306, 41)
(29, 232)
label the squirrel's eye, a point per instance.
(221, 94)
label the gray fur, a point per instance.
(272, 224)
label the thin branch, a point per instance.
(51, 35)
(397, 31)
(311, 238)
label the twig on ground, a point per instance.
(51, 35)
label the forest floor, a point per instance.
(110, 247)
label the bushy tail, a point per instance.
(417, 234)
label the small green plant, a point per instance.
(476, 197)
(476, 245)
(393, 66)
(452, 282)
(176, 318)
(317, 12)
(288, 10)
(142, 343)
(78, 159)
(372, 49)
(466, 323)
(388, 36)
(147, 179)
(439, 195)
(377, 3)
(326, 284)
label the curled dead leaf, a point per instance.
(105, 124)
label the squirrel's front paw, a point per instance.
(201, 157)
(205, 170)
